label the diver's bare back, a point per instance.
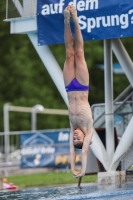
(79, 110)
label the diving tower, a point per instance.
(22, 15)
(23, 20)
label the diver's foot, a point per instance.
(73, 12)
(67, 15)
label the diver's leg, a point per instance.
(82, 74)
(69, 65)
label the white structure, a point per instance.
(35, 108)
(27, 24)
(115, 178)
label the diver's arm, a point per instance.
(85, 148)
(72, 155)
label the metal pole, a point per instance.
(45, 111)
(132, 102)
(123, 58)
(33, 120)
(6, 130)
(123, 93)
(125, 143)
(6, 9)
(35, 108)
(109, 117)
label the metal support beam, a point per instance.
(123, 58)
(132, 103)
(18, 7)
(51, 65)
(99, 150)
(109, 117)
(6, 130)
(124, 145)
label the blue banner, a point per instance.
(98, 19)
(45, 149)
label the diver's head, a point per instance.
(78, 138)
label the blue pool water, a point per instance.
(87, 192)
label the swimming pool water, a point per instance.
(87, 192)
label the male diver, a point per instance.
(76, 79)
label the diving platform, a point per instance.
(23, 14)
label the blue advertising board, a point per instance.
(45, 149)
(98, 19)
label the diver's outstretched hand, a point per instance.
(75, 172)
(79, 175)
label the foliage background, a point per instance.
(24, 81)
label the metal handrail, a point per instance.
(120, 105)
(116, 100)
(30, 131)
(45, 111)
